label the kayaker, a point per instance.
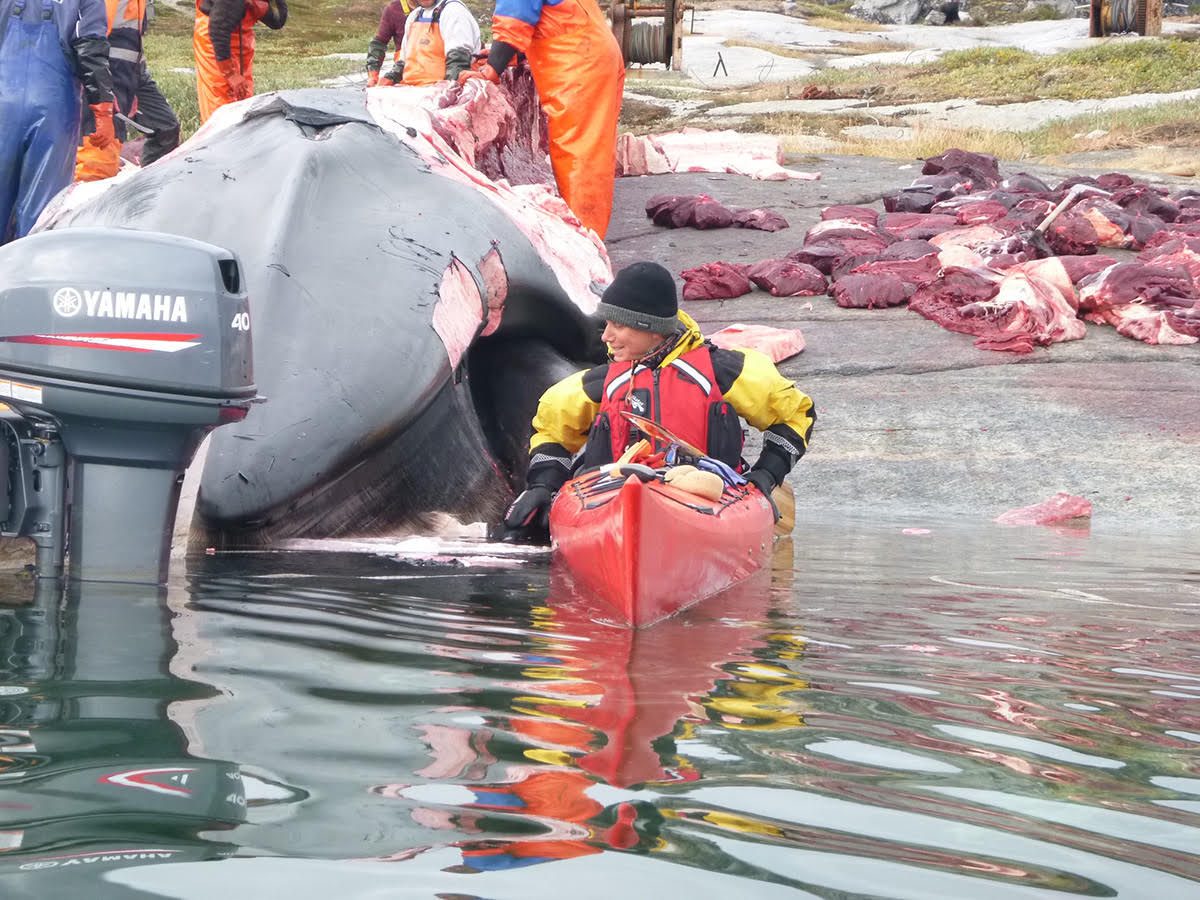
(660, 368)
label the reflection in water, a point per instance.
(601, 704)
(947, 712)
(93, 776)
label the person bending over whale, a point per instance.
(661, 368)
(223, 44)
(579, 74)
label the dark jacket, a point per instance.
(225, 17)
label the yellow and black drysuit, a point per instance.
(673, 387)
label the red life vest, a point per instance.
(682, 395)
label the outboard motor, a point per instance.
(119, 351)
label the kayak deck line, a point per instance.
(648, 549)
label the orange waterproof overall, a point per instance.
(580, 76)
(212, 89)
(426, 63)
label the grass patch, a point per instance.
(836, 18)
(776, 49)
(833, 16)
(640, 117)
(835, 50)
(1009, 75)
(1162, 138)
(863, 48)
(293, 57)
(926, 141)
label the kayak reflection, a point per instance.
(629, 687)
(93, 776)
(600, 705)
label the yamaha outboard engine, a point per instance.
(119, 351)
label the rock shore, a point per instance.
(915, 423)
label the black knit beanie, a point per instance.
(642, 296)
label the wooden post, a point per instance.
(677, 34)
(1149, 17)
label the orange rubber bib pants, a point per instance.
(426, 63)
(580, 76)
(212, 89)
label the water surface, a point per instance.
(951, 710)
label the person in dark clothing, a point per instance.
(223, 43)
(391, 30)
(153, 112)
(136, 96)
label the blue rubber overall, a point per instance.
(39, 116)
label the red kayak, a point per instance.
(649, 549)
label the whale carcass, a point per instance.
(407, 309)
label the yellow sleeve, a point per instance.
(764, 398)
(564, 415)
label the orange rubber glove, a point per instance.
(238, 88)
(486, 72)
(386, 82)
(104, 136)
(373, 77)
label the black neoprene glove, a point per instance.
(765, 482)
(761, 479)
(529, 515)
(376, 50)
(91, 65)
(500, 54)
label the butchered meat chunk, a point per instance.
(869, 291)
(787, 278)
(715, 281)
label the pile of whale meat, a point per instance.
(962, 247)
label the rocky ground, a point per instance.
(915, 423)
(714, 62)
